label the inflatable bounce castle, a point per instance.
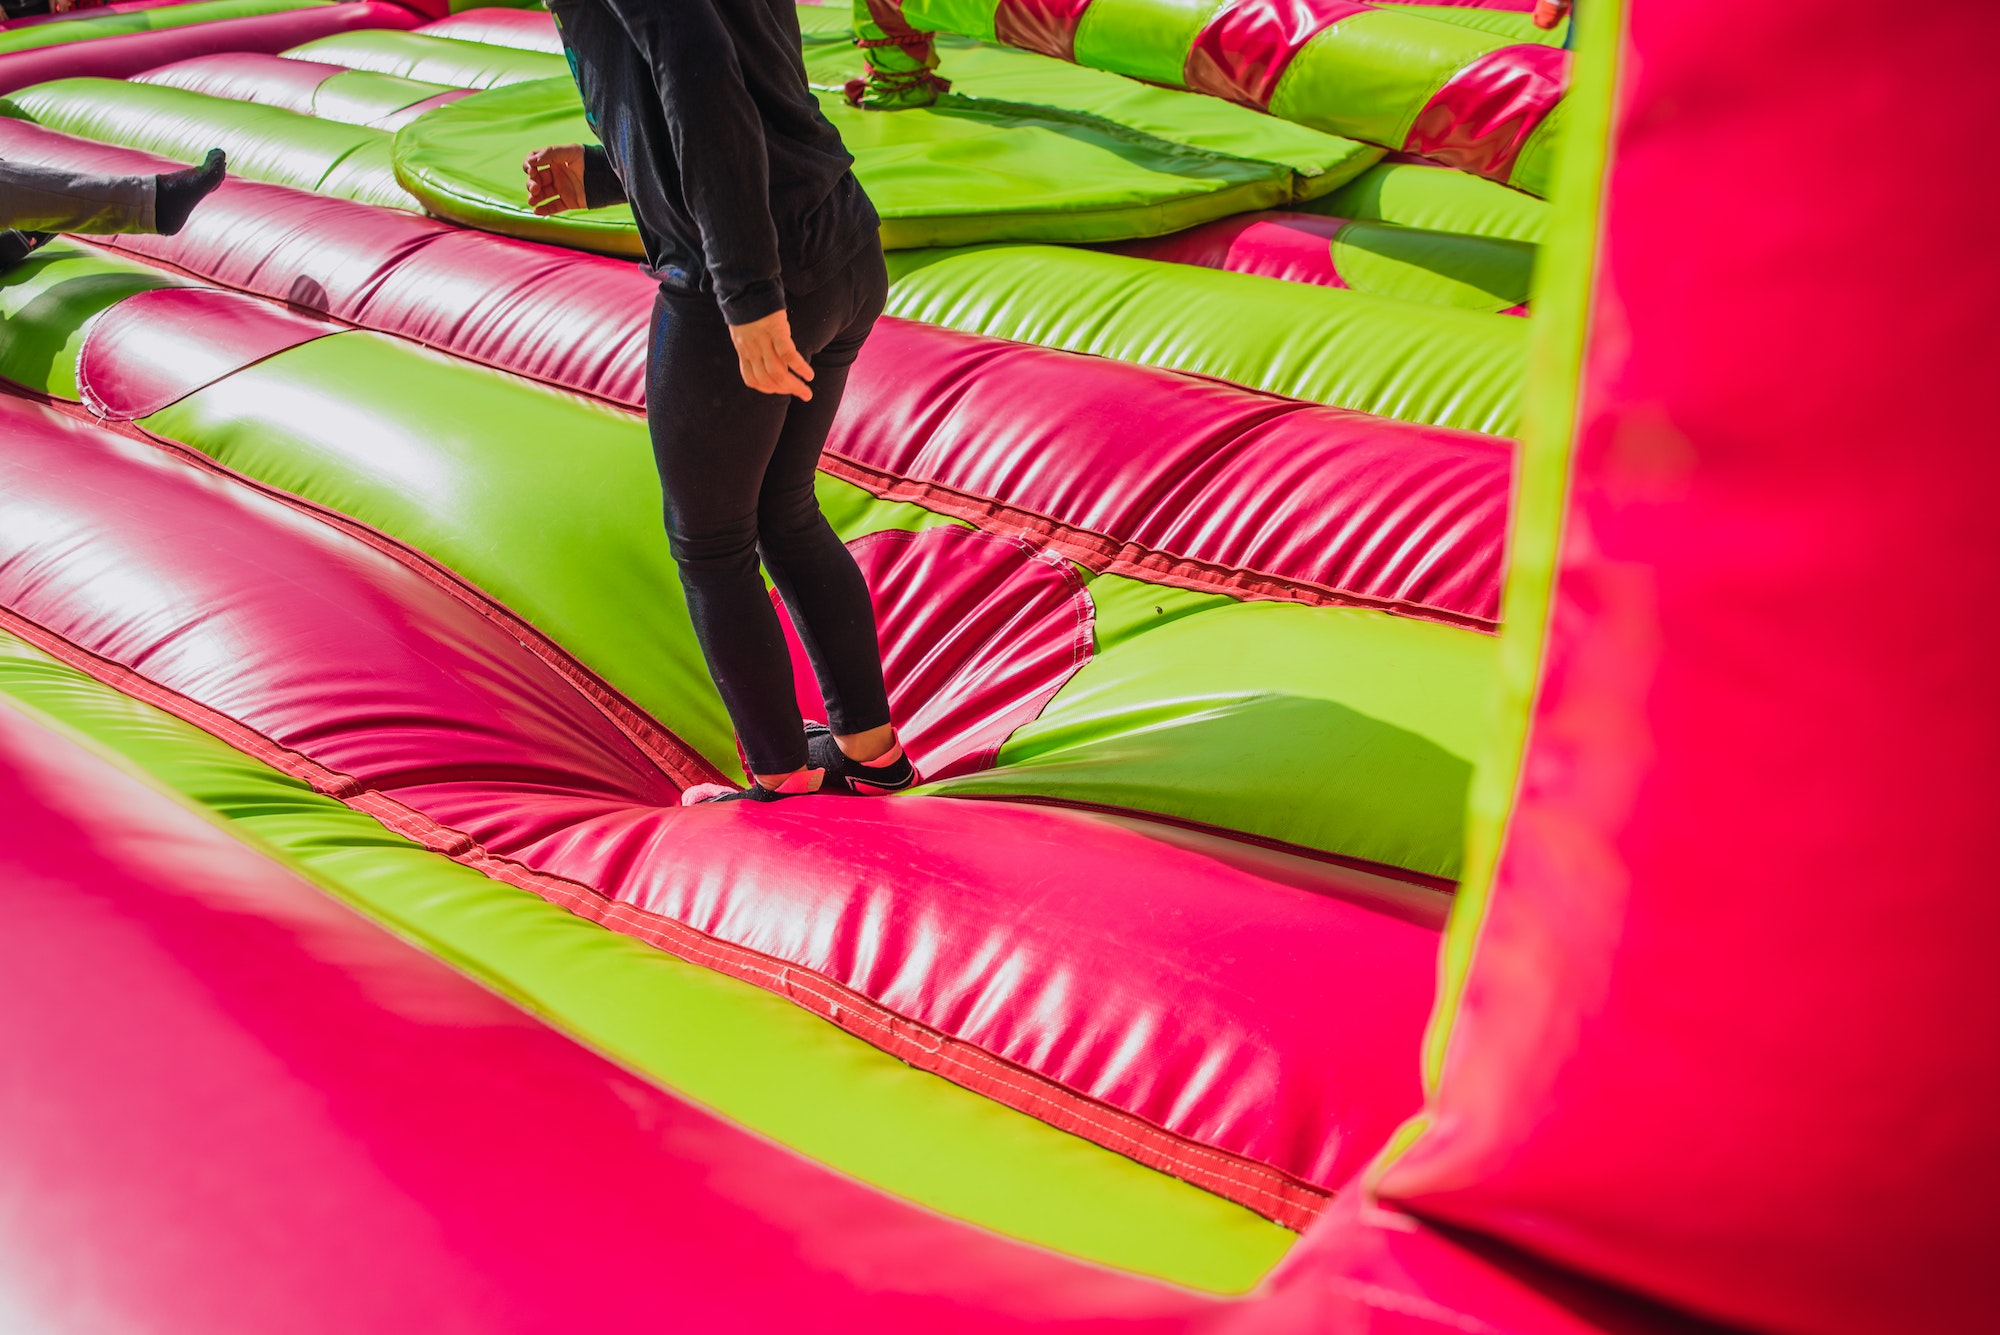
(1432, 568)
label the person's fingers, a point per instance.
(788, 354)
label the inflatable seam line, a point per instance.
(1259, 1187)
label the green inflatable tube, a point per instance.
(88, 27)
(1438, 198)
(412, 55)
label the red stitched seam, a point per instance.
(1268, 1191)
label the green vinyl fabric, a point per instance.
(1476, 273)
(413, 55)
(985, 73)
(83, 29)
(1511, 24)
(1441, 199)
(1392, 358)
(748, 1054)
(946, 175)
(1370, 75)
(361, 97)
(264, 143)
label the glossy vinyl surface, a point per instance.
(330, 92)
(747, 1053)
(253, 1109)
(410, 55)
(156, 348)
(1242, 52)
(264, 143)
(1420, 364)
(978, 632)
(1412, 193)
(1290, 1048)
(117, 57)
(1723, 1037)
(1480, 120)
(1195, 482)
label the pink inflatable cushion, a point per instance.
(1244, 49)
(1047, 27)
(229, 1103)
(1482, 117)
(1177, 479)
(1297, 247)
(1243, 1018)
(156, 348)
(123, 56)
(978, 634)
(247, 76)
(555, 315)
(523, 29)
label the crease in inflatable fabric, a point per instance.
(1564, 293)
(1102, 554)
(1267, 1191)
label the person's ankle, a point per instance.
(867, 748)
(798, 781)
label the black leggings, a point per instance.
(737, 467)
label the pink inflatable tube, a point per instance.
(132, 53)
(1268, 1071)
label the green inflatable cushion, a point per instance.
(1441, 199)
(264, 143)
(949, 175)
(1393, 358)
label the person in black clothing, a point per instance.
(771, 275)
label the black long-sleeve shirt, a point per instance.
(740, 185)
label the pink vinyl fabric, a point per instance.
(1046, 26)
(978, 633)
(1176, 478)
(229, 1103)
(156, 348)
(1483, 115)
(1290, 1049)
(1296, 247)
(123, 56)
(247, 76)
(1727, 1034)
(1242, 52)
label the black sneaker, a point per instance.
(851, 778)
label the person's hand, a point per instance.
(771, 362)
(555, 179)
(1548, 13)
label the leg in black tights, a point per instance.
(737, 467)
